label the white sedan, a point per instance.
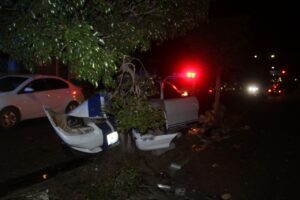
(22, 97)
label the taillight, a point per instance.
(74, 92)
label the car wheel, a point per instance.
(9, 117)
(71, 106)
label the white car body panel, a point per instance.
(181, 111)
(30, 104)
(91, 108)
(87, 138)
(149, 142)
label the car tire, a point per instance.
(9, 117)
(72, 105)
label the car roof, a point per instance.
(34, 76)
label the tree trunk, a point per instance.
(127, 143)
(216, 105)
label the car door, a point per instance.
(33, 96)
(179, 110)
(58, 94)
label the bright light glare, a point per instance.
(253, 89)
(191, 74)
(112, 138)
(185, 94)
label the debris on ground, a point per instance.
(196, 131)
(159, 152)
(215, 165)
(175, 166)
(164, 187)
(42, 195)
(180, 191)
(245, 128)
(198, 147)
(226, 196)
(150, 142)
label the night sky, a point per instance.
(272, 26)
(273, 22)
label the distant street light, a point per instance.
(272, 55)
(255, 56)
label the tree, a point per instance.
(92, 36)
(130, 102)
(95, 37)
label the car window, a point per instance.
(170, 91)
(38, 85)
(54, 84)
(10, 83)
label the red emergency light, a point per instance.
(191, 74)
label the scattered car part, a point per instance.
(88, 135)
(149, 142)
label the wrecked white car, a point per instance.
(86, 128)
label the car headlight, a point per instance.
(112, 138)
(253, 89)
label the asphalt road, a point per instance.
(32, 146)
(261, 160)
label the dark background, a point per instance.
(269, 28)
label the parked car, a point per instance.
(22, 97)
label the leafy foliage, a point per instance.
(92, 36)
(136, 112)
(130, 104)
(118, 186)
